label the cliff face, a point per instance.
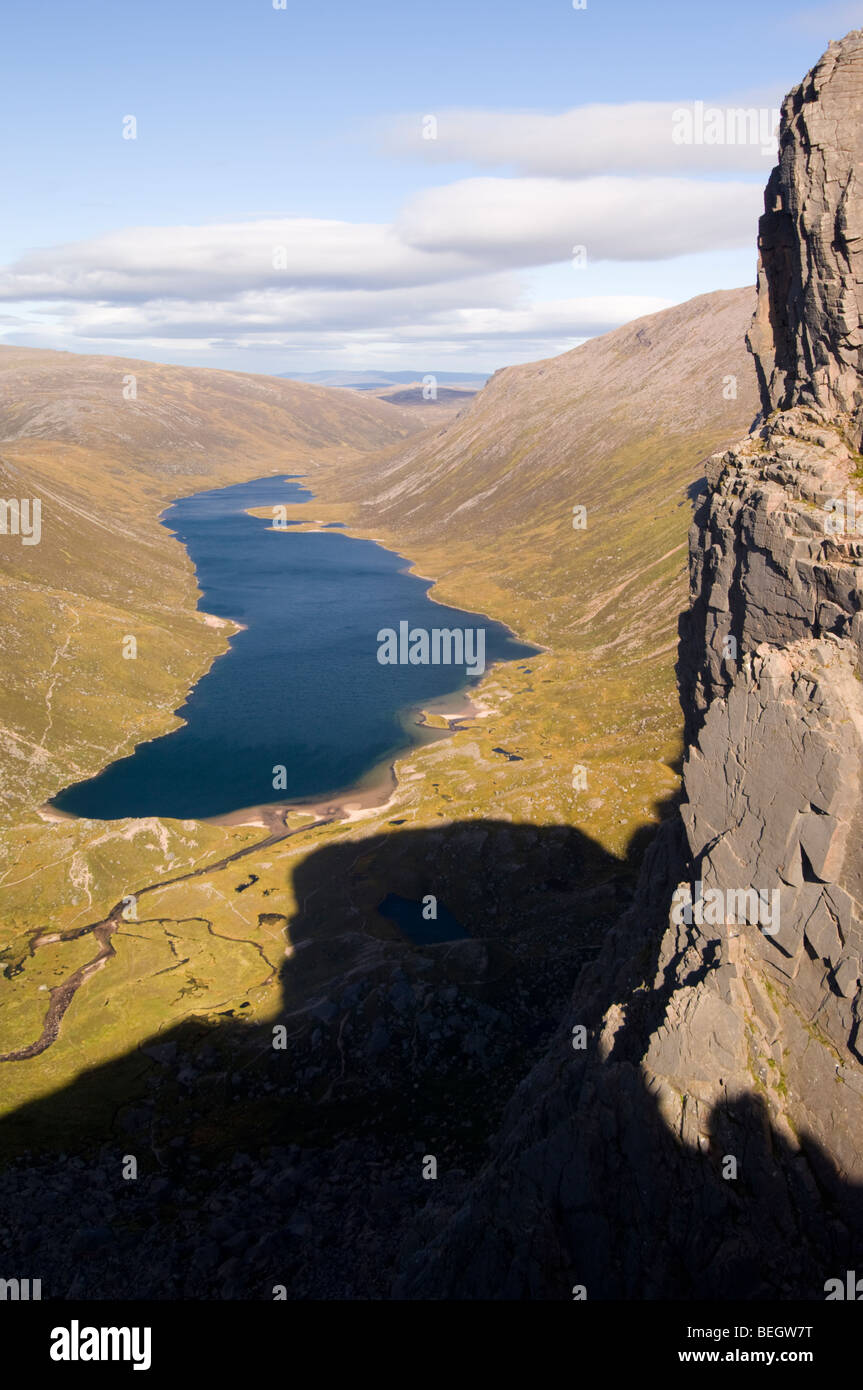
(770, 650)
(708, 1139)
(772, 774)
(807, 335)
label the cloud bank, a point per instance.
(593, 187)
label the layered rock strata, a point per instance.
(807, 336)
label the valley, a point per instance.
(603, 601)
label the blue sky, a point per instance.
(296, 135)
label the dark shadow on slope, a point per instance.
(592, 1183)
(303, 1166)
(392, 1051)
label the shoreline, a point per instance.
(376, 788)
(344, 528)
(373, 792)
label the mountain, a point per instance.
(620, 426)
(706, 1141)
(434, 398)
(106, 443)
(438, 403)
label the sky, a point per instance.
(277, 186)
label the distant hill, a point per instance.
(374, 381)
(107, 443)
(417, 395)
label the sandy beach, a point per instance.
(378, 789)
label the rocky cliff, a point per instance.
(703, 1136)
(807, 336)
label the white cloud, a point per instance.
(468, 335)
(443, 236)
(444, 272)
(471, 310)
(509, 222)
(568, 318)
(630, 138)
(226, 258)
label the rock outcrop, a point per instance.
(708, 1139)
(807, 336)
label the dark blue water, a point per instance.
(301, 687)
(407, 914)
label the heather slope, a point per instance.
(104, 467)
(620, 426)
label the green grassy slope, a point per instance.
(621, 426)
(104, 468)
